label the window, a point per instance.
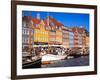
(22, 31)
(23, 40)
(24, 24)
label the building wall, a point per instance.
(52, 37)
(83, 39)
(80, 37)
(41, 34)
(25, 39)
(65, 37)
(27, 34)
(58, 36)
(87, 41)
(80, 40)
(76, 38)
(71, 39)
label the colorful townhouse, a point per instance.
(27, 33)
(76, 37)
(87, 41)
(71, 38)
(83, 38)
(79, 37)
(52, 31)
(40, 33)
(65, 37)
(55, 31)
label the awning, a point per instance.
(47, 45)
(40, 45)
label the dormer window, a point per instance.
(46, 27)
(57, 27)
(52, 28)
(60, 28)
(36, 25)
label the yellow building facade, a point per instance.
(40, 33)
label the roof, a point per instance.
(65, 28)
(80, 30)
(55, 21)
(45, 22)
(52, 20)
(26, 18)
(35, 20)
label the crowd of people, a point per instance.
(40, 51)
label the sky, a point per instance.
(67, 19)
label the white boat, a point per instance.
(48, 58)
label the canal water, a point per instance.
(79, 61)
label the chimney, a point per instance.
(38, 16)
(48, 19)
